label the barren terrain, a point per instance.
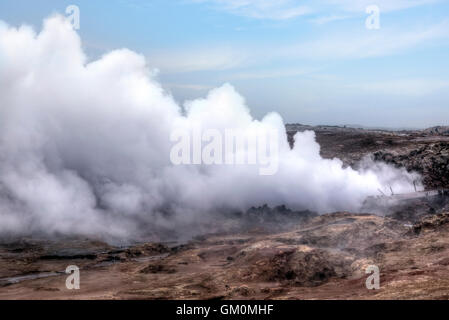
(276, 253)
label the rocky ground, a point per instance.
(305, 257)
(423, 151)
(324, 257)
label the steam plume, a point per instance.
(84, 147)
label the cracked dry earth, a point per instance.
(323, 257)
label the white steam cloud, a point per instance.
(85, 149)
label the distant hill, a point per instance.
(382, 128)
(348, 127)
(438, 130)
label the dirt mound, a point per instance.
(430, 223)
(158, 268)
(438, 130)
(431, 160)
(344, 230)
(296, 265)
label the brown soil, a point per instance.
(285, 255)
(323, 258)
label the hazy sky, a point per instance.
(313, 62)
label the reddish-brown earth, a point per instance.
(322, 258)
(291, 256)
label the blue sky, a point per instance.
(314, 62)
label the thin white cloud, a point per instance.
(347, 9)
(276, 73)
(403, 87)
(199, 59)
(359, 44)
(196, 87)
(260, 9)
(288, 9)
(384, 5)
(367, 44)
(331, 18)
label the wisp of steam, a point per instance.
(85, 147)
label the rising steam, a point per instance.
(85, 148)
